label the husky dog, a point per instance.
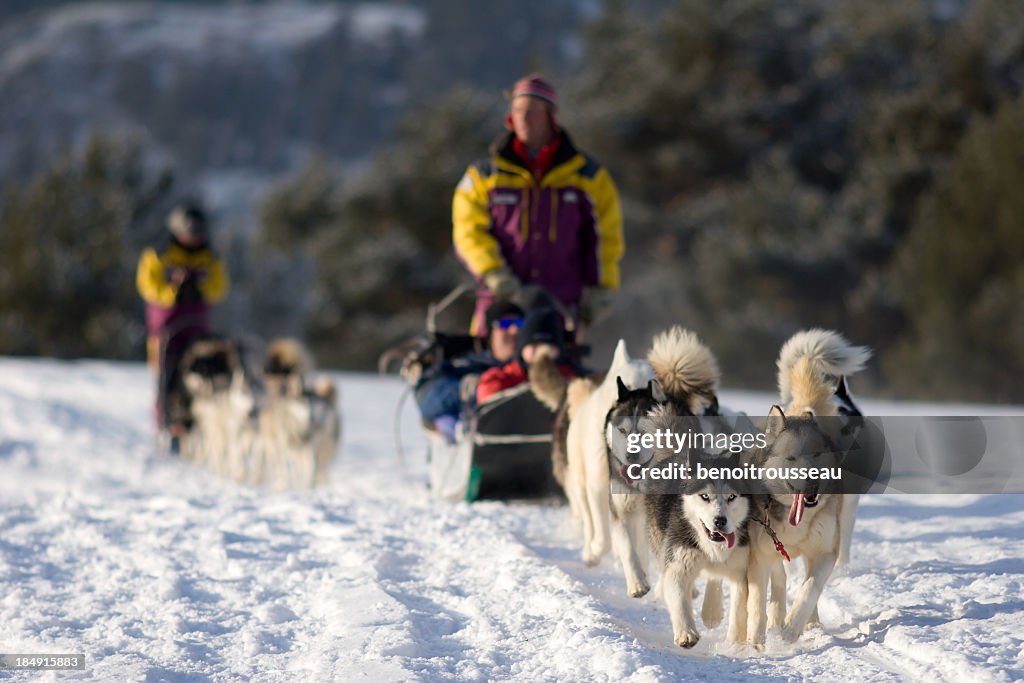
(221, 405)
(576, 393)
(563, 397)
(704, 531)
(586, 477)
(686, 380)
(299, 423)
(627, 417)
(807, 521)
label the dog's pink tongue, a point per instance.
(730, 539)
(796, 510)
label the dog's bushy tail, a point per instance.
(683, 365)
(547, 383)
(810, 365)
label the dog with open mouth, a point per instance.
(801, 518)
(703, 531)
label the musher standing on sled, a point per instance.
(179, 283)
(539, 212)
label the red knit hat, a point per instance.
(534, 85)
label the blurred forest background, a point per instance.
(852, 164)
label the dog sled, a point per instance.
(502, 448)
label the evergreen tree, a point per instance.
(959, 276)
(70, 240)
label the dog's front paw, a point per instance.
(593, 551)
(638, 588)
(687, 639)
(790, 633)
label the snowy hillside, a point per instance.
(237, 94)
(157, 571)
(116, 66)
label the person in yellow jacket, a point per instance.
(539, 211)
(179, 282)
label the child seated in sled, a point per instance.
(542, 333)
(441, 395)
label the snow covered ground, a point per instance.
(158, 571)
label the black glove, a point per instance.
(188, 292)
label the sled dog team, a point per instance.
(284, 433)
(710, 528)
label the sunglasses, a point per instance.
(505, 323)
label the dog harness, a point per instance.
(766, 523)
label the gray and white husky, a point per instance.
(586, 473)
(808, 521)
(686, 380)
(222, 403)
(628, 417)
(704, 531)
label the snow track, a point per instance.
(158, 571)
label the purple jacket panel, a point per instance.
(184, 319)
(557, 251)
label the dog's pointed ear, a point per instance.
(776, 421)
(713, 408)
(621, 356)
(623, 389)
(656, 392)
(844, 399)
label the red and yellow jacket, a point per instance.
(153, 277)
(170, 305)
(562, 231)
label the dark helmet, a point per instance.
(542, 326)
(501, 309)
(187, 220)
